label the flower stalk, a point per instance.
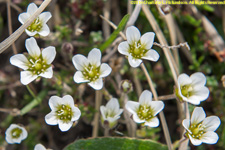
(98, 101)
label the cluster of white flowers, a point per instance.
(190, 89)
(37, 63)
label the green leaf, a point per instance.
(115, 33)
(111, 143)
(34, 102)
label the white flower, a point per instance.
(63, 113)
(90, 69)
(111, 112)
(37, 63)
(138, 47)
(39, 25)
(201, 128)
(15, 134)
(192, 89)
(145, 110)
(39, 147)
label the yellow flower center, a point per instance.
(16, 132)
(36, 25)
(91, 72)
(145, 112)
(37, 65)
(186, 90)
(137, 50)
(196, 130)
(64, 113)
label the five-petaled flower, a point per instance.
(39, 147)
(201, 128)
(138, 47)
(111, 112)
(37, 63)
(63, 113)
(90, 69)
(145, 110)
(192, 89)
(38, 26)
(15, 134)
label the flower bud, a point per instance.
(126, 86)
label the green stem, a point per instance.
(37, 100)
(31, 92)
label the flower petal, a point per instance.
(54, 101)
(147, 40)
(30, 33)
(145, 98)
(105, 70)
(23, 17)
(76, 114)
(67, 99)
(49, 54)
(26, 77)
(186, 124)
(151, 55)
(193, 100)
(195, 142)
(39, 147)
(119, 113)
(9, 139)
(20, 61)
(157, 106)
(202, 93)
(24, 133)
(132, 107)
(32, 47)
(198, 78)
(198, 115)
(123, 48)
(48, 73)
(97, 85)
(103, 112)
(184, 79)
(65, 126)
(137, 119)
(32, 7)
(113, 105)
(44, 30)
(45, 16)
(94, 57)
(51, 119)
(154, 122)
(80, 61)
(134, 62)
(79, 77)
(211, 123)
(133, 35)
(210, 137)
